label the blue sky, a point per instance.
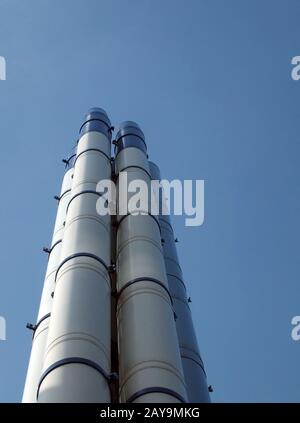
(209, 82)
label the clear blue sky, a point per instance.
(209, 82)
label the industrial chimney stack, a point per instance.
(114, 323)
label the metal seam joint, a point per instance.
(153, 390)
(34, 327)
(72, 256)
(49, 250)
(58, 198)
(145, 279)
(134, 215)
(91, 149)
(72, 360)
(82, 192)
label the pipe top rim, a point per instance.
(128, 124)
(96, 113)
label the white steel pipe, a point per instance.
(77, 360)
(194, 373)
(40, 334)
(150, 368)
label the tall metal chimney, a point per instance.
(77, 358)
(114, 323)
(193, 367)
(40, 329)
(150, 366)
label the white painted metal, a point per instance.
(130, 156)
(80, 320)
(150, 368)
(40, 334)
(159, 360)
(194, 373)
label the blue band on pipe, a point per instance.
(54, 245)
(130, 135)
(96, 125)
(83, 192)
(92, 149)
(147, 214)
(40, 321)
(145, 279)
(161, 217)
(200, 364)
(130, 128)
(153, 390)
(65, 192)
(130, 140)
(70, 161)
(134, 166)
(178, 278)
(92, 256)
(72, 360)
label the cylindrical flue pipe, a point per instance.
(194, 373)
(77, 360)
(40, 334)
(150, 368)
